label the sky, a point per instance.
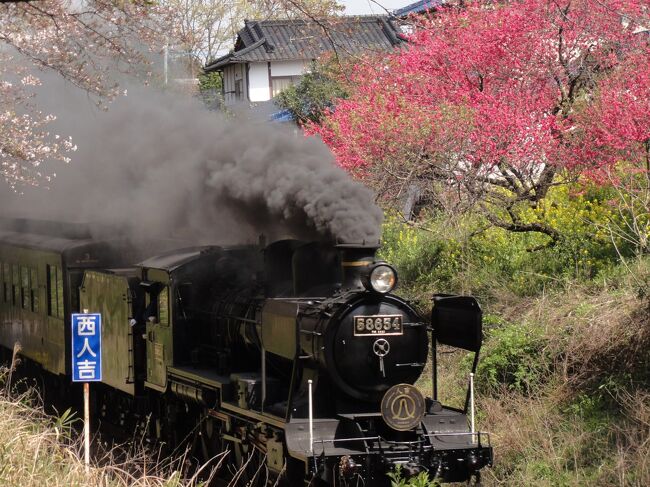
(364, 7)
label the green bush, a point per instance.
(514, 356)
(594, 410)
(420, 480)
(419, 256)
(314, 95)
(210, 86)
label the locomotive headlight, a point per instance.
(382, 278)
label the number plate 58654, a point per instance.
(378, 325)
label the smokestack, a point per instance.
(355, 258)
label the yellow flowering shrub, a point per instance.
(470, 255)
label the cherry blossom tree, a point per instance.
(616, 131)
(495, 102)
(90, 44)
(93, 44)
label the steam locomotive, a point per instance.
(294, 357)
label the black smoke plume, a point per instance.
(160, 165)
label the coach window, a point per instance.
(15, 285)
(163, 306)
(7, 282)
(51, 290)
(3, 282)
(33, 295)
(59, 291)
(25, 288)
(54, 291)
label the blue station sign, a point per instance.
(86, 347)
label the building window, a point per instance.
(281, 83)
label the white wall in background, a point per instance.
(289, 68)
(258, 82)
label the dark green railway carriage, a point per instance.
(42, 270)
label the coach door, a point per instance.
(158, 329)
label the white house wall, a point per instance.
(258, 82)
(258, 76)
(289, 68)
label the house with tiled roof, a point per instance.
(271, 55)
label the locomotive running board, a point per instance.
(210, 380)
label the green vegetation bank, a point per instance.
(563, 384)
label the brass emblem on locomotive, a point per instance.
(402, 407)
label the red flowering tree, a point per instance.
(616, 123)
(494, 103)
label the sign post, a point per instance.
(86, 362)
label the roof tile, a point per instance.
(292, 39)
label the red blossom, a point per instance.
(509, 88)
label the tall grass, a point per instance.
(37, 449)
(565, 386)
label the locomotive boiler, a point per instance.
(296, 357)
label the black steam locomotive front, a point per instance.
(367, 348)
(364, 339)
(338, 355)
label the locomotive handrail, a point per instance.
(362, 438)
(478, 434)
(310, 332)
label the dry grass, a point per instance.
(533, 443)
(588, 421)
(633, 453)
(539, 443)
(39, 450)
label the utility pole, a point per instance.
(165, 55)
